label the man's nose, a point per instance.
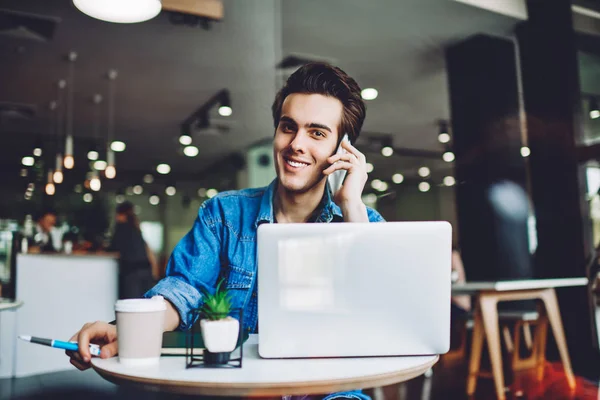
(298, 144)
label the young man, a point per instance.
(311, 113)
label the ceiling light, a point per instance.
(128, 190)
(37, 152)
(154, 200)
(202, 192)
(95, 184)
(100, 165)
(138, 189)
(210, 193)
(88, 197)
(370, 167)
(369, 94)
(110, 172)
(369, 199)
(387, 151)
(69, 161)
(118, 146)
(225, 111)
(376, 184)
(443, 138)
(424, 186)
(398, 178)
(23, 172)
(163, 169)
(119, 11)
(148, 178)
(50, 189)
(185, 139)
(170, 190)
(594, 110)
(57, 177)
(383, 187)
(448, 156)
(92, 155)
(190, 151)
(424, 172)
(119, 198)
(449, 181)
(525, 151)
(28, 161)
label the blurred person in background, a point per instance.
(42, 238)
(138, 268)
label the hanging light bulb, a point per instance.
(110, 172)
(118, 11)
(69, 160)
(95, 183)
(58, 174)
(50, 189)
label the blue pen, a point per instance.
(73, 346)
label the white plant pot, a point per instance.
(220, 336)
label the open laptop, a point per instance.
(354, 289)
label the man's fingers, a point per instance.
(353, 150)
(109, 350)
(338, 165)
(78, 365)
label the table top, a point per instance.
(268, 377)
(514, 285)
(9, 304)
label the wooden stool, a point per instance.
(487, 326)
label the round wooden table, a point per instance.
(267, 377)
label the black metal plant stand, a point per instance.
(198, 357)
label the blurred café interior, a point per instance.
(482, 113)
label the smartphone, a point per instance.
(336, 179)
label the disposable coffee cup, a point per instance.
(140, 324)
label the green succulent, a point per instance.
(216, 306)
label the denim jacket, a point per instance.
(222, 245)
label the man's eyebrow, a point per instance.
(289, 120)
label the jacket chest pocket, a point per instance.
(239, 278)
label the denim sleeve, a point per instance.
(194, 264)
(374, 216)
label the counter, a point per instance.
(60, 293)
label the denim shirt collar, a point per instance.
(329, 210)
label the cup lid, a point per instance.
(156, 303)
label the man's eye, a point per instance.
(319, 134)
(286, 128)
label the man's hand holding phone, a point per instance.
(348, 197)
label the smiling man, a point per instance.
(311, 113)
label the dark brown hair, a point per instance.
(325, 79)
(127, 209)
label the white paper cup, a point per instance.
(140, 324)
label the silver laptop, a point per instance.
(354, 289)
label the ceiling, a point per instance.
(167, 71)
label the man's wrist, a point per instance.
(354, 211)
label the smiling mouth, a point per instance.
(295, 164)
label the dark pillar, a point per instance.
(492, 204)
(552, 105)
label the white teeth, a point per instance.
(296, 164)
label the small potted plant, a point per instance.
(219, 330)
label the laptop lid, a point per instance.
(354, 289)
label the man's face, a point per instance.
(47, 222)
(306, 136)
